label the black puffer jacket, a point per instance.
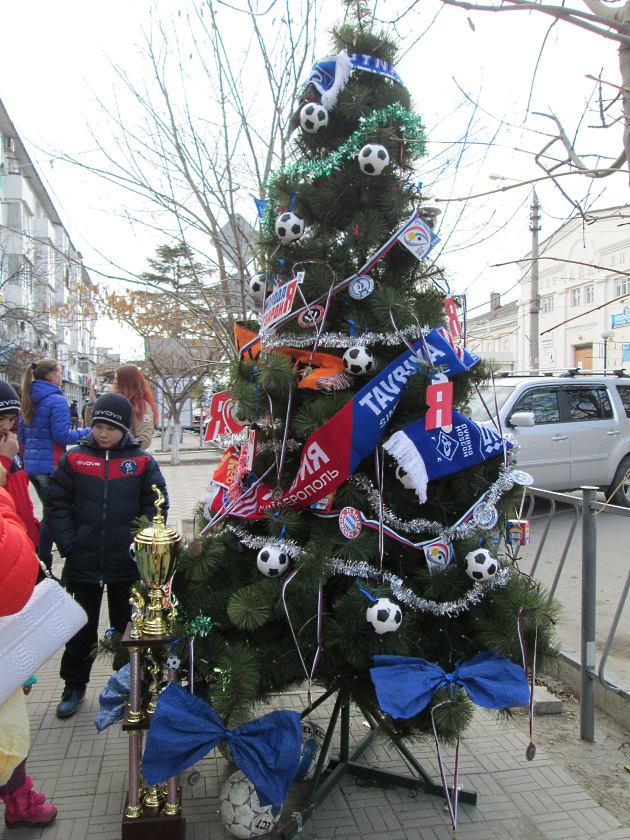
(93, 496)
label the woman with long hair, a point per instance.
(44, 431)
(131, 383)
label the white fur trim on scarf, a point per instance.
(409, 459)
(342, 73)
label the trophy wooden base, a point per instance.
(160, 826)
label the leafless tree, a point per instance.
(603, 20)
(192, 143)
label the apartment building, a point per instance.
(45, 290)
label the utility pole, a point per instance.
(534, 310)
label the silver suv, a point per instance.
(573, 429)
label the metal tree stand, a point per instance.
(321, 785)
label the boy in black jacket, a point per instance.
(98, 488)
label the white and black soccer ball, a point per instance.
(384, 616)
(241, 812)
(481, 565)
(358, 360)
(289, 227)
(272, 561)
(173, 662)
(373, 159)
(312, 742)
(258, 286)
(313, 118)
(404, 478)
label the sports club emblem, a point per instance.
(361, 287)
(439, 554)
(447, 446)
(311, 316)
(418, 238)
(129, 467)
(222, 419)
(350, 522)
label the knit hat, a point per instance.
(9, 400)
(113, 409)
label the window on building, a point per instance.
(589, 294)
(621, 287)
(576, 296)
(546, 304)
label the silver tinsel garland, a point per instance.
(289, 547)
(404, 595)
(448, 533)
(269, 339)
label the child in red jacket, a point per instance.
(11, 460)
(18, 570)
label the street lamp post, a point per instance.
(606, 334)
(534, 295)
(534, 323)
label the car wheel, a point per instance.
(619, 490)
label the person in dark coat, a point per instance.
(95, 493)
(74, 415)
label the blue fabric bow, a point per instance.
(405, 686)
(184, 728)
(113, 699)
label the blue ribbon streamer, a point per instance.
(184, 728)
(405, 686)
(113, 699)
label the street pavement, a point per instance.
(85, 774)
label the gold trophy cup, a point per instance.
(156, 553)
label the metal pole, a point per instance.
(534, 325)
(589, 595)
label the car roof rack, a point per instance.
(570, 373)
(618, 372)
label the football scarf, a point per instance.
(444, 354)
(333, 452)
(330, 74)
(322, 371)
(426, 455)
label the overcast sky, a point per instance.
(55, 68)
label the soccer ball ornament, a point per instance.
(312, 741)
(404, 478)
(258, 286)
(173, 662)
(384, 616)
(373, 159)
(241, 812)
(313, 118)
(272, 561)
(358, 360)
(481, 565)
(289, 227)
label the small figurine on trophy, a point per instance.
(137, 612)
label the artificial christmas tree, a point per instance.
(357, 514)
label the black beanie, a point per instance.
(9, 400)
(113, 409)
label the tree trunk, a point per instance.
(176, 411)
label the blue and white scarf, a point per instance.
(330, 74)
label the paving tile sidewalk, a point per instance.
(85, 774)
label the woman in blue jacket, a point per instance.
(44, 431)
